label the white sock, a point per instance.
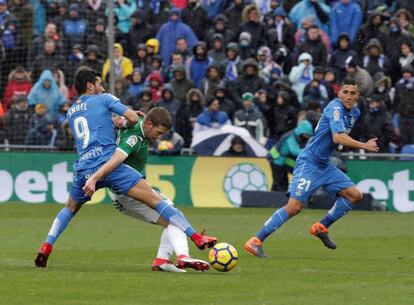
(178, 240)
(165, 249)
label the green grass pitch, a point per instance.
(104, 258)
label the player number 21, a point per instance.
(81, 127)
(304, 184)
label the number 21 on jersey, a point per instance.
(80, 125)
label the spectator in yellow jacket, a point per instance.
(123, 65)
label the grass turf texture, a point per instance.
(104, 258)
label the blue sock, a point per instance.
(341, 207)
(59, 225)
(175, 217)
(273, 223)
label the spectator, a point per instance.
(169, 102)
(377, 123)
(153, 47)
(268, 18)
(315, 8)
(156, 83)
(339, 56)
(217, 52)
(212, 7)
(187, 114)
(19, 84)
(301, 34)
(197, 65)
(75, 28)
(405, 20)
(280, 32)
(137, 83)
(382, 89)
(176, 60)
(49, 60)
(170, 32)
(181, 46)
(252, 25)
(61, 118)
(226, 105)
(249, 81)
(371, 29)
(302, 74)
(237, 148)
(46, 91)
(404, 105)
(39, 20)
(330, 78)
(62, 14)
(245, 46)
(140, 32)
(74, 61)
(156, 65)
(282, 116)
(16, 121)
(64, 139)
(93, 58)
(41, 130)
(251, 119)
(99, 38)
(60, 80)
(211, 81)
(123, 65)
(145, 103)
(9, 28)
(123, 9)
(284, 153)
(318, 90)
(170, 144)
(121, 92)
(407, 4)
(374, 60)
(140, 59)
(211, 117)
(314, 46)
(234, 15)
(220, 27)
(38, 44)
(266, 64)
(232, 65)
(406, 55)
(158, 12)
(181, 84)
(93, 10)
(346, 17)
(360, 75)
(195, 17)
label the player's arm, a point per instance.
(121, 122)
(117, 158)
(345, 140)
(114, 105)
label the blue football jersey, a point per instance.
(335, 119)
(90, 119)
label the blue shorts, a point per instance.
(308, 178)
(121, 180)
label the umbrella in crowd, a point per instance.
(214, 142)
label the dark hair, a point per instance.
(159, 116)
(313, 26)
(83, 76)
(349, 82)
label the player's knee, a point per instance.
(293, 208)
(356, 197)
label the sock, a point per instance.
(178, 240)
(165, 249)
(59, 225)
(273, 223)
(341, 207)
(174, 217)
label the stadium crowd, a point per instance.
(261, 65)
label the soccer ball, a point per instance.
(223, 257)
(244, 177)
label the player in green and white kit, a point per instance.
(133, 143)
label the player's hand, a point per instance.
(118, 121)
(371, 145)
(90, 186)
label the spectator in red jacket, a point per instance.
(19, 84)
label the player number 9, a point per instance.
(81, 127)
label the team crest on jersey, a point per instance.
(132, 140)
(336, 115)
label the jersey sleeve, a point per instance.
(128, 142)
(114, 104)
(336, 119)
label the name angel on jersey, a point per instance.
(95, 152)
(77, 108)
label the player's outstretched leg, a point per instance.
(341, 207)
(59, 225)
(255, 244)
(143, 193)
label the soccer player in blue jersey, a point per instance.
(313, 170)
(90, 120)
